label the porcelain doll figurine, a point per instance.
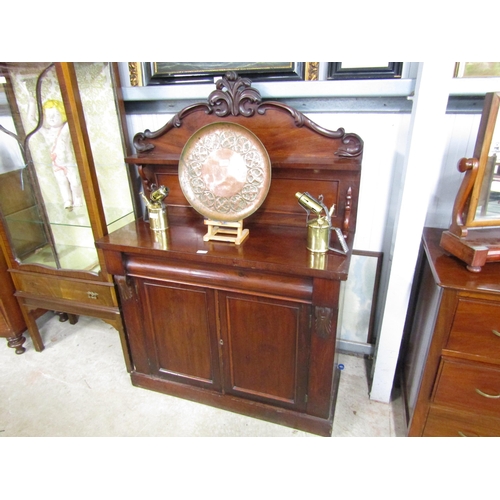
(56, 132)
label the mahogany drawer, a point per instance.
(442, 422)
(86, 292)
(472, 386)
(476, 328)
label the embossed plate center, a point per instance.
(225, 171)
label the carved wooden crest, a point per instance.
(234, 96)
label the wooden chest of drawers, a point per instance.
(451, 369)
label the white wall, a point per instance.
(385, 138)
(460, 135)
(419, 177)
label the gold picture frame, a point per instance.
(143, 74)
(477, 69)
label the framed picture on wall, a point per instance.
(161, 73)
(477, 69)
(363, 70)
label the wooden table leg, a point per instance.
(30, 319)
(17, 343)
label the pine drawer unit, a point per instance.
(451, 371)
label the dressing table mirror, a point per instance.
(474, 234)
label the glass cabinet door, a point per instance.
(44, 201)
(95, 82)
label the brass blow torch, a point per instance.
(319, 229)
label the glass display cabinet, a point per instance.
(474, 234)
(63, 185)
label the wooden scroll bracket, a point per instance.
(225, 231)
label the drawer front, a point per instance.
(446, 423)
(78, 291)
(470, 386)
(222, 278)
(476, 329)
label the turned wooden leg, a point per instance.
(62, 316)
(17, 343)
(73, 318)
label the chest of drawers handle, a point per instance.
(462, 434)
(496, 332)
(490, 396)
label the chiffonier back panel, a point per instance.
(303, 155)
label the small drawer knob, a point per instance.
(92, 295)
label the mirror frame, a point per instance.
(481, 152)
(472, 240)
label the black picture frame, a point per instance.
(336, 71)
(164, 73)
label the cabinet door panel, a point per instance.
(180, 325)
(266, 345)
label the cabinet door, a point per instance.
(180, 332)
(266, 349)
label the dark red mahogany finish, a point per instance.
(250, 328)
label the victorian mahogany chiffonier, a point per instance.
(249, 324)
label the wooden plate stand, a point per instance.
(225, 231)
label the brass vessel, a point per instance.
(318, 235)
(320, 228)
(157, 211)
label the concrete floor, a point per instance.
(78, 387)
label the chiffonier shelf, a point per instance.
(249, 327)
(451, 373)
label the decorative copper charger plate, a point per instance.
(225, 172)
